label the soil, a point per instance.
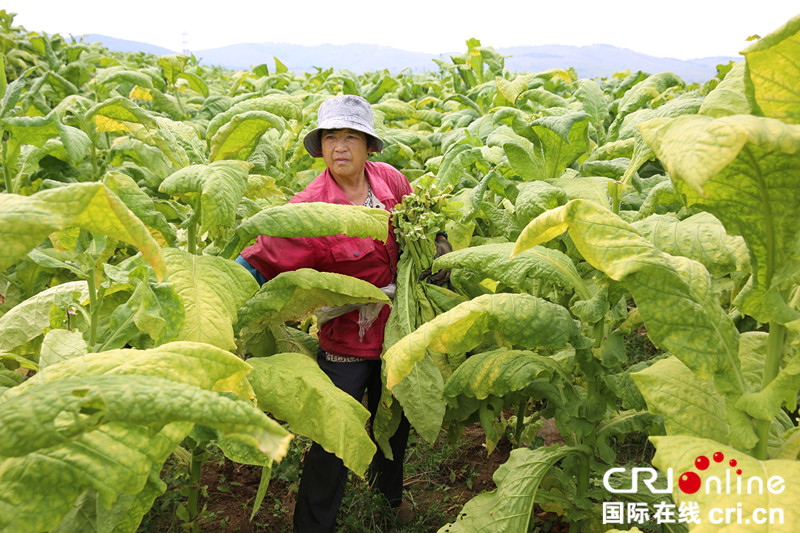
(437, 495)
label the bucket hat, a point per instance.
(339, 112)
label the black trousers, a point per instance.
(324, 475)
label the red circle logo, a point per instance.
(689, 482)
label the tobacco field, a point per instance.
(584, 214)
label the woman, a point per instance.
(343, 138)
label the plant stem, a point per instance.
(180, 104)
(195, 468)
(581, 489)
(192, 230)
(92, 308)
(615, 189)
(777, 334)
(599, 332)
(523, 404)
(7, 180)
(94, 160)
(6, 173)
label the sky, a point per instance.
(681, 29)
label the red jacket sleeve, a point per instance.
(273, 255)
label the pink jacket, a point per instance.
(367, 259)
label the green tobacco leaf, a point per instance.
(119, 459)
(519, 319)
(640, 96)
(20, 360)
(13, 91)
(282, 105)
(679, 453)
(71, 408)
(118, 113)
(456, 164)
(753, 355)
(772, 68)
(420, 394)
(728, 98)
(238, 138)
(561, 140)
(500, 373)
(120, 74)
(313, 219)
(591, 97)
(543, 98)
(395, 109)
(380, 88)
(674, 294)
(214, 189)
(129, 149)
(509, 508)
(27, 320)
(539, 263)
(782, 390)
(212, 289)
(608, 168)
(291, 339)
(619, 426)
(195, 82)
(171, 65)
(47, 493)
(661, 194)
(593, 188)
(296, 294)
(558, 142)
(59, 345)
(685, 104)
(291, 387)
(26, 220)
(512, 89)
(76, 143)
(700, 237)
(742, 169)
(197, 364)
(68, 407)
(612, 150)
(690, 405)
(421, 391)
(140, 203)
(178, 141)
(157, 310)
(9, 379)
(34, 131)
(520, 153)
(534, 198)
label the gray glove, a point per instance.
(442, 277)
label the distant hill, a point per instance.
(599, 60)
(123, 45)
(356, 57)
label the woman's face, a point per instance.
(344, 152)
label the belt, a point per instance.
(341, 358)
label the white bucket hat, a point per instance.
(339, 112)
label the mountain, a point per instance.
(124, 45)
(601, 60)
(355, 57)
(594, 61)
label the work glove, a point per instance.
(442, 277)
